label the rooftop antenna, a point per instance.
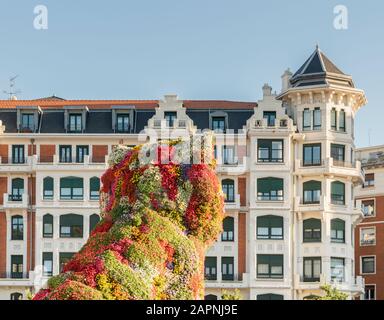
(12, 92)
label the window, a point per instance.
(270, 266)
(311, 192)
(218, 124)
(270, 189)
(270, 296)
(317, 119)
(312, 154)
(270, 150)
(368, 207)
(170, 118)
(337, 231)
(17, 189)
(369, 180)
(338, 154)
(94, 188)
(210, 266)
(48, 188)
(312, 269)
(228, 186)
(370, 292)
(228, 229)
(368, 265)
(337, 193)
(18, 153)
(270, 227)
(47, 264)
(342, 121)
(17, 228)
(333, 119)
(122, 123)
(93, 221)
(48, 226)
(16, 266)
(81, 151)
(227, 268)
(210, 297)
(368, 236)
(271, 118)
(16, 296)
(229, 155)
(71, 226)
(64, 257)
(312, 230)
(71, 188)
(27, 122)
(65, 154)
(337, 269)
(75, 123)
(306, 120)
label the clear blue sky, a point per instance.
(199, 49)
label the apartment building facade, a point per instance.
(369, 234)
(286, 164)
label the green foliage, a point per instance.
(332, 293)
(231, 295)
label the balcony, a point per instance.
(305, 284)
(301, 206)
(15, 201)
(16, 165)
(233, 205)
(331, 167)
(87, 161)
(239, 280)
(12, 280)
(281, 124)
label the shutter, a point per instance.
(337, 224)
(210, 262)
(312, 185)
(312, 224)
(228, 224)
(337, 188)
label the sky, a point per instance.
(197, 49)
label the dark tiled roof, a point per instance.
(317, 70)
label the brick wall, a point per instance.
(3, 188)
(376, 250)
(31, 149)
(242, 242)
(32, 189)
(242, 191)
(4, 153)
(31, 240)
(3, 243)
(47, 151)
(99, 152)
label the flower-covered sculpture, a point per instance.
(162, 206)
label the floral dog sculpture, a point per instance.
(160, 210)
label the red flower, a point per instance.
(41, 295)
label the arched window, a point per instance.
(270, 296)
(210, 297)
(270, 189)
(48, 226)
(71, 188)
(93, 221)
(17, 228)
(338, 230)
(94, 187)
(228, 229)
(338, 193)
(17, 189)
(312, 230)
(270, 227)
(48, 188)
(16, 296)
(311, 192)
(228, 186)
(71, 226)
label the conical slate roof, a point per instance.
(319, 70)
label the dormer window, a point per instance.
(122, 123)
(270, 116)
(170, 118)
(75, 123)
(27, 122)
(218, 124)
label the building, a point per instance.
(369, 234)
(286, 164)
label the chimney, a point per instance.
(285, 80)
(267, 90)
